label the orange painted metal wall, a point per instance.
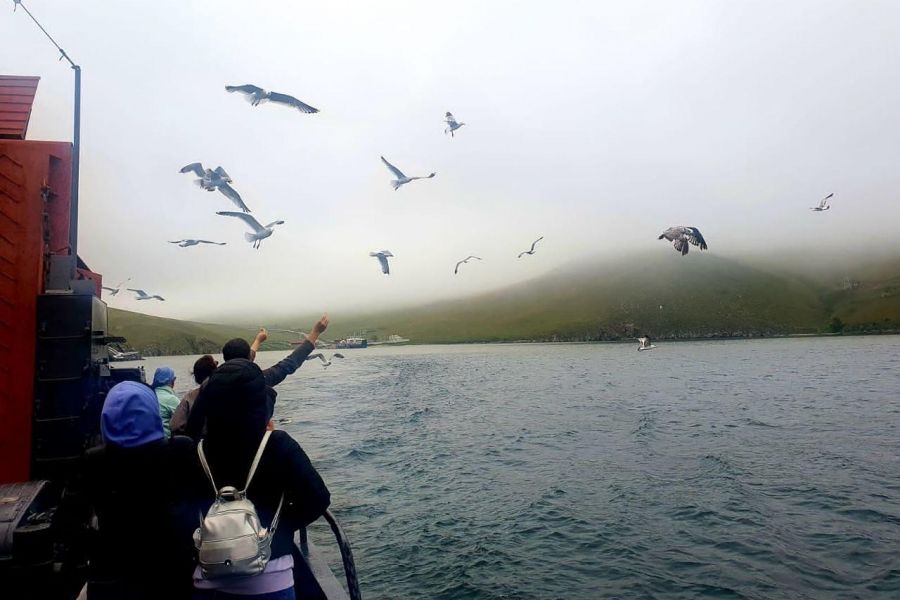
(33, 223)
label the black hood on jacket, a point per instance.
(236, 402)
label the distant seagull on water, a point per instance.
(682, 235)
(186, 243)
(401, 178)
(531, 251)
(256, 96)
(260, 232)
(645, 343)
(452, 124)
(142, 295)
(326, 362)
(211, 180)
(382, 257)
(115, 290)
(464, 261)
(823, 204)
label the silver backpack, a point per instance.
(231, 541)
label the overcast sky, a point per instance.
(594, 124)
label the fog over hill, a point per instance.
(663, 295)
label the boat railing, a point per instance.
(321, 572)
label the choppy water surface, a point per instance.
(745, 469)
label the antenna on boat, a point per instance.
(76, 138)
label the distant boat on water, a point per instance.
(119, 354)
(392, 339)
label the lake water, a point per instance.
(732, 469)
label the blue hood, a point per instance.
(163, 376)
(130, 416)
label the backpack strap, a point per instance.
(206, 467)
(256, 459)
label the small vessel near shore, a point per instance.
(119, 354)
(351, 342)
(392, 339)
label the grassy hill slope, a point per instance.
(660, 295)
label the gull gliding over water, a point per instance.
(115, 290)
(823, 204)
(326, 362)
(464, 261)
(259, 232)
(401, 178)
(186, 243)
(256, 95)
(682, 235)
(382, 257)
(531, 251)
(142, 295)
(211, 180)
(452, 124)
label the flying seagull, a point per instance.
(401, 178)
(326, 362)
(452, 124)
(645, 343)
(463, 261)
(681, 235)
(115, 290)
(533, 244)
(823, 204)
(259, 232)
(256, 96)
(383, 259)
(186, 243)
(142, 295)
(215, 179)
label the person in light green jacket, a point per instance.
(163, 385)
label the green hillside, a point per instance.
(660, 295)
(156, 336)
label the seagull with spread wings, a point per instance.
(115, 290)
(464, 261)
(452, 124)
(682, 236)
(186, 243)
(382, 257)
(142, 295)
(401, 178)
(259, 233)
(256, 96)
(215, 179)
(326, 362)
(823, 204)
(531, 251)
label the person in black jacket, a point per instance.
(133, 486)
(237, 414)
(239, 349)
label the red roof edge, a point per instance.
(16, 101)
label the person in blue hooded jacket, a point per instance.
(141, 547)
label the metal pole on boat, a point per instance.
(76, 137)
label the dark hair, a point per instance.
(203, 368)
(236, 348)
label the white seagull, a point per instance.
(326, 362)
(215, 179)
(531, 251)
(401, 178)
(452, 124)
(823, 204)
(682, 235)
(186, 243)
(645, 343)
(142, 295)
(256, 96)
(464, 261)
(259, 232)
(115, 290)
(382, 257)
